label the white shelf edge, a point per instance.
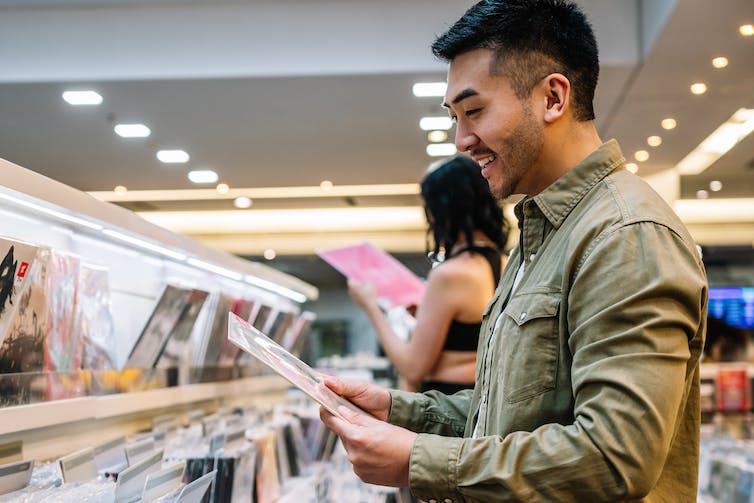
(43, 415)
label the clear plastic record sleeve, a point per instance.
(298, 373)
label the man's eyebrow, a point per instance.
(466, 93)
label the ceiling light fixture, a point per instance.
(716, 186)
(632, 167)
(326, 185)
(720, 62)
(641, 155)
(242, 202)
(747, 30)
(203, 176)
(120, 189)
(702, 194)
(432, 123)
(429, 89)
(82, 97)
(441, 149)
(668, 123)
(717, 144)
(173, 156)
(132, 130)
(269, 254)
(437, 136)
(654, 141)
(698, 88)
(222, 188)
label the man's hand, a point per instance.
(368, 396)
(378, 451)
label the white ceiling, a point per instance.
(288, 93)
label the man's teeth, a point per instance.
(485, 161)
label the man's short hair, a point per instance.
(531, 39)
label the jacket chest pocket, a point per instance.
(529, 345)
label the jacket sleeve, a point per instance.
(632, 314)
(430, 412)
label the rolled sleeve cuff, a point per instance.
(407, 409)
(433, 468)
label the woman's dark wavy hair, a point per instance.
(458, 201)
(531, 39)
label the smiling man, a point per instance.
(587, 377)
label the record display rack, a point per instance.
(141, 259)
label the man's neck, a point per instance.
(565, 148)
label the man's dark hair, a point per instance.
(531, 39)
(458, 200)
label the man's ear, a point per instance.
(557, 95)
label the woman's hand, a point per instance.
(363, 295)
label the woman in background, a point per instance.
(469, 235)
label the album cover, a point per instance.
(245, 309)
(177, 341)
(18, 258)
(94, 318)
(173, 304)
(282, 323)
(23, 348)
(297, 330)
(298, 373)
(209, 353)
(267, 481)
(395, 283)
(63, 348)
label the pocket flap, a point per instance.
(529, 306)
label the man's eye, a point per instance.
(471, 112)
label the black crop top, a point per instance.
(465, 336)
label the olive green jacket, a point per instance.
(591, 374)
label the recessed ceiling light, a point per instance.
(173, 156)
(654, 141)
(132, 130)
(82, 97)
(641, 155)
(326, 185)
(242, 202)
(698, 88)
(632, 167)
(715, 185)
(747, 30)
(431, 123)
(120, 189)
(702, 194)
(222, 188)
(437, 136)
(441, 149)
(429, 89)
(203, 176)
(720, 62)
(668, 123)
(270, 254)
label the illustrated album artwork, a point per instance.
(174, 304)
(298, 373)
(395, 283)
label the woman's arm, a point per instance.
(415, 358)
